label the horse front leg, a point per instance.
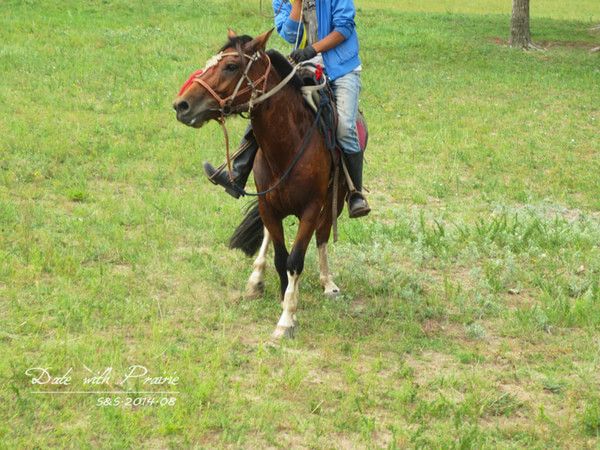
(286, 326)
(294, 267)
(275, 227)
(256, 285)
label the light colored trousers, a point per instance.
(346, 90)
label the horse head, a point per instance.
(228, 80)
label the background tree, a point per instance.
(520, 36)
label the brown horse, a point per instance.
(293, 163)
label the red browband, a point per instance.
(190, 81)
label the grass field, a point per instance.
(470, 314)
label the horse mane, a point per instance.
(283, 68)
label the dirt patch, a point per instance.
(432, 328)
(359, 305)
(457, 275)
(518, 299)
(122, 269)
(518, 392)
(429, 365)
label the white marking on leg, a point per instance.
(255, 285)
(287, 321)
(325, 277)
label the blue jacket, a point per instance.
(332, 15)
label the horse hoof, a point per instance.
(254, 291)
(331, 290)
(283, 332)
(333, 293)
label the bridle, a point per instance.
(226, 107)
(257, 96)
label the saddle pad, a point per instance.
(363, 131)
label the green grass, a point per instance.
(581, 10)
(470, 314)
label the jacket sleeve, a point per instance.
(343, 13)
(286, 27)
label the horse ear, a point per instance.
(260, 41)
(231, 34)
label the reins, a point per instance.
(299, 154)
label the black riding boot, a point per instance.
(357, 203)
(241, 166)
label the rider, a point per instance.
(327, 32)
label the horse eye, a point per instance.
(231, 67)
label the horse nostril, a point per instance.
(182, 106)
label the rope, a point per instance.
(334, 202)
(351, 186)
(229, 171)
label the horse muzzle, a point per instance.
(190, 116)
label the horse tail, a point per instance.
(249, 234)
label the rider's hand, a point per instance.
(302, 54)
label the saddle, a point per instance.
(318, 93)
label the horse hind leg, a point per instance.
(256, 285)
(330, 289)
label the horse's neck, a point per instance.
(280, 125)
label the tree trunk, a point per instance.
(520, 36)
